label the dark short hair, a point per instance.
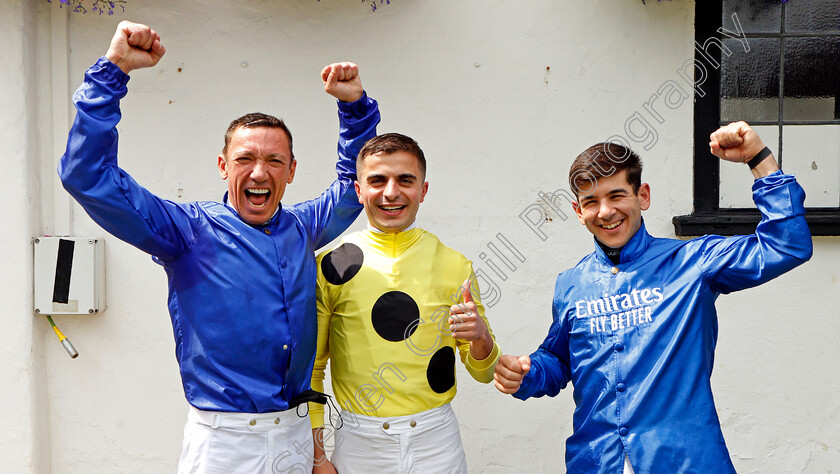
(255, 120)
(388, 143)
(603, 160)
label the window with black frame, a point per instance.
(776, 65)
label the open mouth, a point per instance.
(613, 225)
(257, 197)
(392, 210)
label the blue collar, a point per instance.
(633, 248)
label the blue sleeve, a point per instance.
(550, 364)
(89, 172)
(327, 216)
(781, 241)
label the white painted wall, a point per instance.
(24, 425)
(501, 95)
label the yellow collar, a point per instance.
(398, 241)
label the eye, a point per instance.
(243, 160)
(407, 181)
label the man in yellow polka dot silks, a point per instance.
(394, 307)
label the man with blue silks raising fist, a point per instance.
(634, 323)
(241, 271)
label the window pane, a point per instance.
(749, 81)
(811, 155)
(812, 15)
(736, 180)
(755, 16)
(812, 78)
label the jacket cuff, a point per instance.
(106, 71)
(775, 177)
(526, 388)
(778, 196)
(358, 109)
(482, 370)
(487, 362)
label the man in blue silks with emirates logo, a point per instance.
(634, 323)
(241, 272)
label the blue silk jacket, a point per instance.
(637, 340)
(241, 297)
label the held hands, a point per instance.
(134, 46)
(341, 80)
(464, 321)
(510, 371)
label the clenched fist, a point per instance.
(135, 46)
(510, 370)
(738, 142)
(341, 80)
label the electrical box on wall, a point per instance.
(69, 275)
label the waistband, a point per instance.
(397, 424)
(246, 421)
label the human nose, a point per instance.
(605, 210)
(258, 171)
(392, 191)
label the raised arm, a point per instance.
(331, 213)
(89, 169)
(782, 239)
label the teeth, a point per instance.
(612, 226)
(258, 191)
(391, 208)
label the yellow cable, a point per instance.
(61, 336)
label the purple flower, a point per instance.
(373, 3)
(100, 6)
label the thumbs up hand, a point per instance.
(464, 321)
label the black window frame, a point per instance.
(708, 217)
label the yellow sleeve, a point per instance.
(481, 370)
(322, 349)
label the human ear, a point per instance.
(644, 196)
(222, 167)
(579, 212)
